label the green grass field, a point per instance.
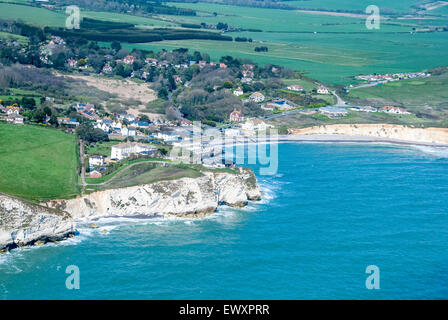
(430, 91)
(331, 49)
(37, 163)
(147, 173)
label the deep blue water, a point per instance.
(332, 210)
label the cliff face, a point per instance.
(192, 197)
(23, 223)
(390, 131)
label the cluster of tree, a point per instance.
(198, 104)
(135, 7)
(243, 39)
(261, 49)
(222, 26)
(136, 35)
(87, 132)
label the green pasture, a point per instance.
(37, 163)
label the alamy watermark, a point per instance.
(373, 280)
(373, 21)
(72, 282)
(74, 17)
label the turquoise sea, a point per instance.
(329, 212)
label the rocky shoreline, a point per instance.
(23, 223)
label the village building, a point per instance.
(394, 110)
(128, 131)
(246, 80)
(95, 161)
(95, 174)
(257, 97)
(126, 116)
(107, 69)
(15, 119)
(247, 74)
(295, 87)
(12, 110)
(364, 108)
(333, 112)
(252, 125)
(125, 150)
(129, 59)
(67, 121)
(238, 92)
(323, 90)
(72, 63)
(151, 61)
(236, 116)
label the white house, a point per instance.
(395, 110)
(96, 160)
(252, 125)
(256, 97)
(295, 87)
(238, 92)
(323, 90)
(128, 131)
(125, 150)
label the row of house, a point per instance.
(11, 114)
(393, 77)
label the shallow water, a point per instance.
(329, 212)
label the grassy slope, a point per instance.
(429, 91)
(146, 173)
(37, 163)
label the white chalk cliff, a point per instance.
(186, 197)
(23, 223)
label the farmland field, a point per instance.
(37, 163)
(417, 92)
(331, 49)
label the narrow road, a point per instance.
(83, 169)
(340, 102)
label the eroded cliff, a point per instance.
(23, 223)
(186, 197)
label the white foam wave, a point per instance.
(438, 152)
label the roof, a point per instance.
(333, 109)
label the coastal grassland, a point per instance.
(13, 37)
(32, 15)
(147, 172)
(412, 94)
(37, 163)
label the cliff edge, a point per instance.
(185, 197)
(23, 223)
